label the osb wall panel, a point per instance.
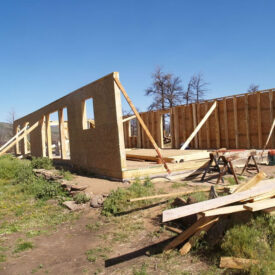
(101, 149)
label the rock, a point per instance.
(47, 174)
(96, 201)
(75, 187)
(73, 206)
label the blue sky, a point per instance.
(50, 48)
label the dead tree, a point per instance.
(253, 88)
(198, 86)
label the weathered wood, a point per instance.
(236, 263)
(141, 123)
(19, 138)
(259, 119)
(225, 123)
(247, 121)
(186, 143)
(203, 206)
(202, 223)
(235, 110)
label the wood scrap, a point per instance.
(237, 263)
(187, 210)
(173, 229)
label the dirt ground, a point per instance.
(95, 244)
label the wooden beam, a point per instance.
(43, 136)
(235, 110)
(259, 119)
(251, 183)
(217, 128)
(271, 103)
(184, 123)
(176, 126)
(199, 133)
(128, 118)
(62, 134)
(194, 113)
(247, 121)
(25, 139)
(225, 123)
(49, 136)
(19, 138)
(141, 122)
(183, 211)
(186, 143)
(236, 263)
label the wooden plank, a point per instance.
(204, 189)
(184, 123)
(62, 133)
(194, 114)
(225, 123)
(236, 263)
(269, 135)
(43, 136)
(247, 121)
(271, 103)
(259, 119)
(35, 125)
(198, 225)
(236, 122)
(203, 206)
(139, 139)
(224, 210)
(217, 128)
(49, 136)
(264, 196)
(207, 127)
(260, 205)
(141, 122)
(251, 183)
(199, 133)
(188, 245)
(25, 139)
(186, 143)
(128, 118)
(173, 229)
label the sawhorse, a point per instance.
(251, 166)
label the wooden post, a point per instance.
(25, 140)
(17, 147)
(207, 127)
(259, 118)
(271, 116)
(225, 123)
(247, 121)
(62, 134)
(49, 137)
(139, 139)
(176, 126)
(195, 123)
(199, 117)
(184, 123)
(142, 123)
(236, 122)
(217, 128)
(43, 136)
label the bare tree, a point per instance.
(253, 88)
(10, 119)
(188, 95)
(198, 87)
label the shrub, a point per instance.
(81, 198)
(42, 163)
(117, 201)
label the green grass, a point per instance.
(42, 163)
(99, 252)
(177, 185)
(117, 201)
(66, 174)
(23, 198)
(22, 246)
(81, 198)
(141, 271)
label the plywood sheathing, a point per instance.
(99, 150)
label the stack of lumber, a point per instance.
(255, 195)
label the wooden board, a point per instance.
(260, 205)
(187, 210)
(224, 210)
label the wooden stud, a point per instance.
(184, 122)
(217, 128)
(246, 106)
(139, 139)
(62, 134)
(176, 126)
(207, 127)
(43, 136)
(236, 122)
(25, 139)
(271, 103)
(49, 137)
(199, 133)
(259, 118)
(17, 147)
(225, 123)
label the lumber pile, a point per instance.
(255, 195)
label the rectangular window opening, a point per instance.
(67, 154)
(55, 134)
(88, 117)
